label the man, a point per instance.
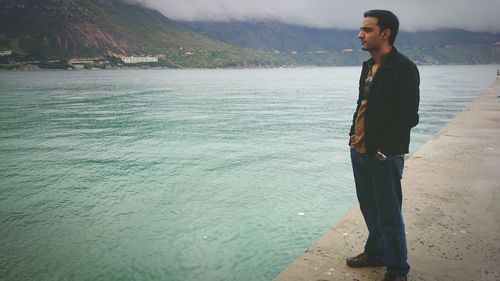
(380, 135)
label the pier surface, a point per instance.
(451, 190)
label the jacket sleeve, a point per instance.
(355, 115)
(353, 124)
(407, 83)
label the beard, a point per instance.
(370, 47)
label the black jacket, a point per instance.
(392, 108)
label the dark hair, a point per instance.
(386, 20)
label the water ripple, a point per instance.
(183, 174)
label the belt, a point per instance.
(382, 156)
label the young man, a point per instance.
(380, 135)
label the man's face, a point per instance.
(369, 34)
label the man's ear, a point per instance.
(386, 34)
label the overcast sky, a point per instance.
(474, 15)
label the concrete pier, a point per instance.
(451, 190)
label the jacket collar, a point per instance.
(387, 59)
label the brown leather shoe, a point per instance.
(391, 277)
(364, 260)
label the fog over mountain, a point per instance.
(479, 15)
(51, 33)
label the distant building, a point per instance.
(133, 59)
(82, 60)
(5, 53)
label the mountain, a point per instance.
(98, 33)
(63, 29)
(321, 46)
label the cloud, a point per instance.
(478, 15)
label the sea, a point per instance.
(187, 174)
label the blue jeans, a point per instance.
(378, 187)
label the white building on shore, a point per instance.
(133, 59)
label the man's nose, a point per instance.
(360, 34)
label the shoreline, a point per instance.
(451, 208)
(36, 69)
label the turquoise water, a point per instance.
(183, 174)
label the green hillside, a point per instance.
(48, 30)
(98, 33)
(323, 46)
